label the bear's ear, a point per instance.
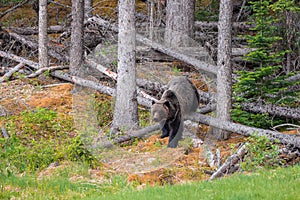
(170, 94)
(167, 104)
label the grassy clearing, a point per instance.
(276, 184)
(68, 181)
(74, 181)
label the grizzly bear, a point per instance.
(178, 101)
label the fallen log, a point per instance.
(13, 8)
(155, 86)
(272, 110)
(34, 31)
(34, 45)
(229, 126)
(245, 130)
(19, 59)
(199, 65)
(50, 69)
(129, 136)
(11, 72)
(4, 132)
(230, 161)
(200, 25)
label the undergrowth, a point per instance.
(37, 139)
(262, 153)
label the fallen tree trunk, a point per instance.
(230, 161)
(134, 134)
(50, 69)
(245, 130)
(148, 85)
(19, 59)
(34, 31)
(11, 72)
(200, 65)
(272, 110)
(229, 126)
(34, 45)
(13, 8)
(200, 25)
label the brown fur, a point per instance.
(180, 100)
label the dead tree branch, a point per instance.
(272, 110)
(200, 25)
(135, 134)
(246, 130)
(19, 59)
(34, 45)
(200, 65)
(50, 69)
(13, 8)
(230, 161)
(11, 72)
(34, 31)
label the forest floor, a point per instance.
(146, 160)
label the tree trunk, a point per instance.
(43, 37)
(76, 51)
(126, 112)
(179, 22)
(88, 8)
(224, 75)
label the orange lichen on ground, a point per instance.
(58, 98)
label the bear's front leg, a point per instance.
(165, 130)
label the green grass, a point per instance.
(282, 183)
(278, 184)
(71, 181)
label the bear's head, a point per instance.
(160, 110)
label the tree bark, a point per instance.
(43, 37)
(125, 111)
(224, 75)
(88, 8)
(76, 51)
(179, 22)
